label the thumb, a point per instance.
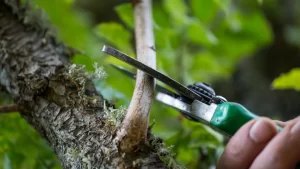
(247, 143)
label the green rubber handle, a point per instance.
(229, 117)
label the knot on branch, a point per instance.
(133, 134)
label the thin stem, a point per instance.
(10, 108)
(135, 124)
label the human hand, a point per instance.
(257, 145)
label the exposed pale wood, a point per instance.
(135, 124)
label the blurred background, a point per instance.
(248, 50)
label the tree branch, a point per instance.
(59, 100)
(9, 108)
(135, 124)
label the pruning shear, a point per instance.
(197, 102)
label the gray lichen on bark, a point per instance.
(58, 99)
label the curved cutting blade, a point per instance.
(158, 87)
(185, 109)
(152, 72)
(197, 111)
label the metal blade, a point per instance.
(124, 71)
(132, 75)
(156, 74)
(197, 111)
(173, 102)
(183, 107)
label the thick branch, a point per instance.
(135, 124)
(59, 100)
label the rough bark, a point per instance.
(135, 124)
(59, 100)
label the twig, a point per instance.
(135, 124)
(10, 108)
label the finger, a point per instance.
(246, 144)
(283, 124)
(283, 151)
(293, 120)
(280, 123)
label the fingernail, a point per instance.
(261, 131)
(296, 128)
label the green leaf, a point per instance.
(167, 59)
(205, 10)
(168, 125)
(185, 155)
(111, 88)
(199, 34)
(177, 10)
(290, 80)
(83, 60)
(115, 34)
(12, 142)
(166, 38)
(203, 138)
(242, 34)
(253, 26)
(70, 2)
(125, 12)
(202, 135)
(67, 21)
(206, 66)
(233, 47)
(160, 16)
(71, 26)
(223, 4)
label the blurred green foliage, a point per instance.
(288, 80)
(196, 40)
(21, 147)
